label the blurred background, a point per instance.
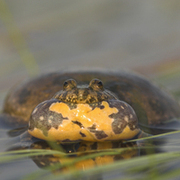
(44, 36)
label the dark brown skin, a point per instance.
(152, 105)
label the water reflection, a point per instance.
(86, 155)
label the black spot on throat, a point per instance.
(78, 123)
(82, 134)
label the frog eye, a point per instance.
(96, 84)
(100, 85)
(69, 84)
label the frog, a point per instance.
(95, 106)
